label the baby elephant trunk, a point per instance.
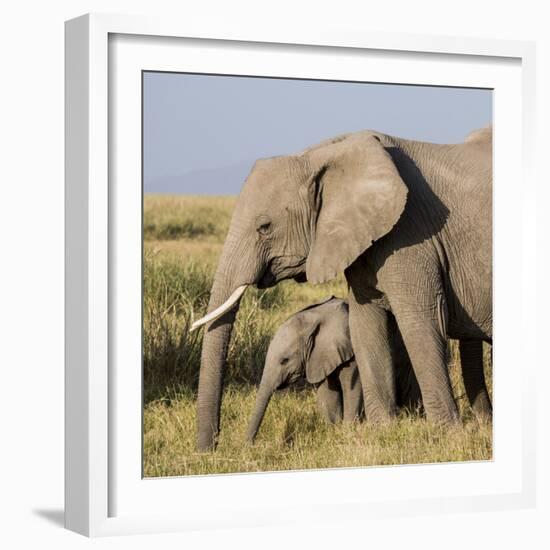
(262, 401)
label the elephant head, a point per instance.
(311, 344)
(306, 216)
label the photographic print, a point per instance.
(317, 274)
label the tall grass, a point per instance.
(172, 294)
(179, 266)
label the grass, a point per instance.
(165, 218)
(294, 437)
(183, 239)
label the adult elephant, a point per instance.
(410, 225)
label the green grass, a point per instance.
(177, 278)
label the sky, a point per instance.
(203, 133)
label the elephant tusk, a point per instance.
(219, 311)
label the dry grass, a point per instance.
(177, 277)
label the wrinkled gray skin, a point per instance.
(410, 225)
(315, 344)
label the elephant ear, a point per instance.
(358, 196)
(328, 343)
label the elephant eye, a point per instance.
(264, 229)
(284, 360)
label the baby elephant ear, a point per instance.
(328, 343)
(359, 197)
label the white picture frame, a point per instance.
(105, 493)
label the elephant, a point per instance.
(315, 344)
(408, 223)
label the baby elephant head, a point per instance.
(311, 344)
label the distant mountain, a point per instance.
(226, 180)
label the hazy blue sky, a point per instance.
(202, 133)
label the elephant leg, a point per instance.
(329, 399)
(471, 360)
(426, 345)
(370, 338)
(352, 391)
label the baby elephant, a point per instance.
(315, 344)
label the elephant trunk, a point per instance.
(265, 392)
(236, 270)
(213, 358)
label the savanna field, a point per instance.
(183, 237)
